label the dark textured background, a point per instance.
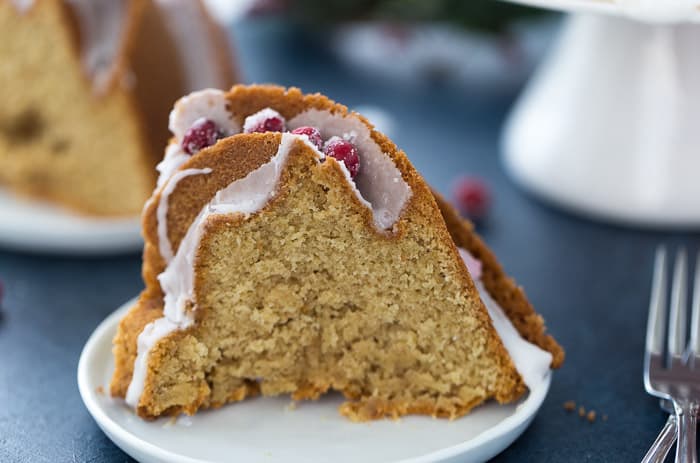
(589, 280)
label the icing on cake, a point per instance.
(379, 182)
(22, 5)
(101, 24)
(151, 334)
(210, 104)
(531, 362)
(254, 122)
(184, 19)
(164, 246)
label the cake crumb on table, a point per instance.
(589, 415)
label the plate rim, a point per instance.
(79, 234)
(509, 429)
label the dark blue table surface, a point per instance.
(589, 280)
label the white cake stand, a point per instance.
(610, 124)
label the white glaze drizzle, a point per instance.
(209, 104)
(188, 25)
(151, 334)
(379, 182)
(473, 264)
(164, 246)
(102, 31)
(254, 120)
(531, 362)
(174, 158)
(23, 5)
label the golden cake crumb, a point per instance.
(100, 390)
(591, 416)
(570, 406)
(581, 411)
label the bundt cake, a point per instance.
(292, 249)
(86, 87)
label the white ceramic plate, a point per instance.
(270, 430)
(36, 226)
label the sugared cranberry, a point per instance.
(203, 133)
(312, 133)
(344, 151)
(472, 197)
(265, 120)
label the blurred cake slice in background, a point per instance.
(86, 87)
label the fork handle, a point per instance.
(663, 443)
(686, 451)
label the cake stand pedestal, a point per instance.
(610, 124)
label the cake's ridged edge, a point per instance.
(502, 288)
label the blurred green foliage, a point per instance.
(483, 15)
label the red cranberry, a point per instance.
(313, 134)
(203, 133)
(344, 151)
(473, 197)
(265, 120)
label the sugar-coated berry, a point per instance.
(203, 133)
(265, 120)
(343, 150)
(312, 133)
(472, 197)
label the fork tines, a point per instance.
(677, 346)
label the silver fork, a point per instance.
(672, 375)
(666, 438)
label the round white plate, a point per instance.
(271, 430)
(36, 226)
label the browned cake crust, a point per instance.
(233, 158)
(502, 288)
(109, 171)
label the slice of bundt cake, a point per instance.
(86, 87)
(292, 249)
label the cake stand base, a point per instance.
(610, 124)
